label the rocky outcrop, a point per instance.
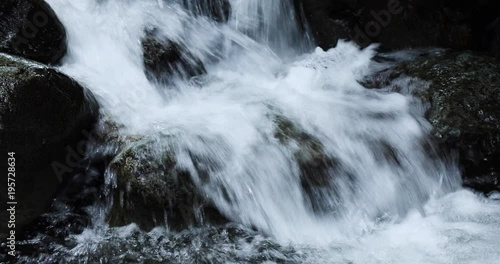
(43, 119)
(398, 24)
(152, 190)
(463, 94)
(164, 58)
(31, 29)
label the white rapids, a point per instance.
(405, 208)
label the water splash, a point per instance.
(302, 152)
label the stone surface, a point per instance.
(165, 59)
(315, 166)
(463, 95)
(153, 191)
(43, 116)
(31, 29)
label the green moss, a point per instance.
(464, 93)
(310, 148)
(313, 161)
(152, 186)
(464, 97)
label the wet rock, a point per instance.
(31, 29)
(43, 119)
(164, 59)
(229, 243)
(487, 184)
(329, 21)
(217, 10)
(86, 188)
(399, 24)
(316, 167)
(463, 95)
(153, 191)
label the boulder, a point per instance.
(164, 58)
(44, 116)
(463, 95)
(31, 29)
(152, 190)
(86, 187)
(399, 24)
(315, 166)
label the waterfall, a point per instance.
(292, 145)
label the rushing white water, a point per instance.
(386, 200)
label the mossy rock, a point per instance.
(43, 118)
(464, 97)
(153, 191)
(317, 168)
(310, 155)
(165, 59)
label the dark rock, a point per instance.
(463, 94)
(217, 10)
(398, 24)
(164, 59)
(316, 167)
(43, 118)
(69, 214)
(229, 243)
(485, 183)
(31, 29)
(329, 21)
(492, 38)
(152, 190)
